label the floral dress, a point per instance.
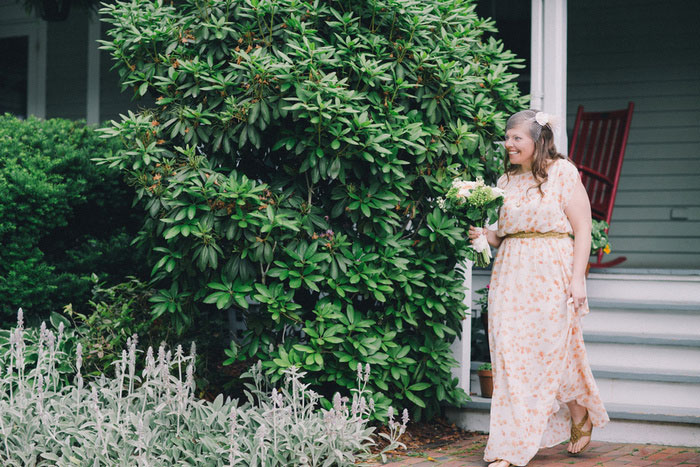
(537, 352)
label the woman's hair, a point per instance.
(545, 150)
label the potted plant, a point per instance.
(485, 373)
(599, 239)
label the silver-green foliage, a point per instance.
(154, 419)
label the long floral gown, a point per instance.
(537, 351)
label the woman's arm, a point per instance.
(579, 214)
(491, 236)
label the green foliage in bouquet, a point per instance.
(61, 217)
(290, 168)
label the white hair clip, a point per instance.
(545, 118)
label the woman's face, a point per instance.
(520, 147)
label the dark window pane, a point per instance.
(14, 52)
(513, 18)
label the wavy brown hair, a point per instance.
(545, 150)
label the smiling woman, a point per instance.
(537, 295)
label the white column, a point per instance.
(548, 64)
(36, 74)
(462, 348)
(92, 112)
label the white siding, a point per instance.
(647, 52)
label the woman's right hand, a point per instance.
(493, 239)
(475, 232)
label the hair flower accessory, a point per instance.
(542, 118)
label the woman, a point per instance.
(544, 391)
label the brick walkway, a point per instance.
(469, 453)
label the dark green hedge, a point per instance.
(61, 216)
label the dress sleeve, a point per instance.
(567, 179)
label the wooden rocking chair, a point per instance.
(597, 148)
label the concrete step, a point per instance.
(678, 340)
(673, 426)
(650, 358)
(642, 288)
(654, 320)
(649, 393)
(617, 385)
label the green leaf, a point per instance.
(415, 399)
(419, 387)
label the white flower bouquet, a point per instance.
(481, 203)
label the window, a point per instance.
(14, 56)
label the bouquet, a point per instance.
(481, 203)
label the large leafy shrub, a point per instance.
(290, 168)
(61, 217)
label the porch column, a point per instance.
(92, 111)
(462, 348)
(548, 77)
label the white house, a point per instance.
(643, 334)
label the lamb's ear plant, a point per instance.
(58, 335)
(292, 159)
(153, 418)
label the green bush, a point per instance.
(117, 312)
(61, 217)
(292, 162)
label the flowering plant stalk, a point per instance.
(481, 203)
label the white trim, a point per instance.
(536, 51)
(462, 348)
(92, 111)
(40, 58)
(548, 49)
(36, 32)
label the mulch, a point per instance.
(424, 436)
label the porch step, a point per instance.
(644, 288)
(685, 415)
(679, 426)
(650, 358)
(671, 390)
(654, 319)
(683, 340)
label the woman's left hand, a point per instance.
(577, 291)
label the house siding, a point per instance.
(647, 52)
(112, 100)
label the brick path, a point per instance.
(469, 453)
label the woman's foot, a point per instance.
(580, 434)
(500, 463)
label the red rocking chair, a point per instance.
(597, 148)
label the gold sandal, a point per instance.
(577, 433)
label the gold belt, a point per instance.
(538, 235)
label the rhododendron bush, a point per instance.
(290, 167)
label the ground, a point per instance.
(440, 443)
